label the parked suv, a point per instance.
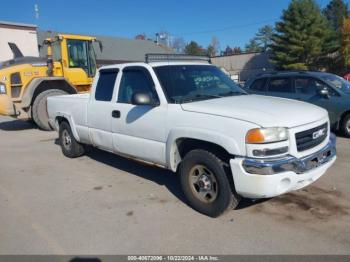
(323, 89)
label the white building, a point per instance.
(23, 35)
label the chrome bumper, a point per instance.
(290, 163)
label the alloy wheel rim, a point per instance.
(348, 126)
(67, 140)
(203, 184)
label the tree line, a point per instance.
(305, 38)
(308, 38)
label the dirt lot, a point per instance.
(104, 204)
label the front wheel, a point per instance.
(206, 184)
(345, 125)
(70, 146)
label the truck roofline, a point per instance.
(153, 64)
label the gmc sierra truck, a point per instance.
(186, 115)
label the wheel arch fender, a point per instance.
(342, 115)
(38, 85)
(173, 158)
(64, 117)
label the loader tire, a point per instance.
(39, 108)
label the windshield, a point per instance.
(188, 83)
(337, 82)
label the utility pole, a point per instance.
(157, 38)
(36, 10)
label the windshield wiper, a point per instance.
(199, 97)
(233, 93)
(207, 96)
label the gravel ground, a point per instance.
(104, 204)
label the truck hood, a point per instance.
(264, 111)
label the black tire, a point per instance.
(39, 108)
(70, 146)
(345, 125)
(214, 204)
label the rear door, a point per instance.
(280, 87)
(100, 108)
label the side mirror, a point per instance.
(324, 92)
(142, 99)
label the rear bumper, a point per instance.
(7, 107)
(268, 178)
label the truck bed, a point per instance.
(72, 106)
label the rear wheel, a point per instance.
(206, 185)
(39, 108)
(70, 146)
(345, 125)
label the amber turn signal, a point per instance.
(255, 136)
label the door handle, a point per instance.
(116, 113)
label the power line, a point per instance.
(228, 28)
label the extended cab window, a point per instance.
(259, 85)
(135, 80)
(281, 85)
(105, 84)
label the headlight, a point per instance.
(266, 135)
(2, 88)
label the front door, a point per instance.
(139, 130)
(307, 90)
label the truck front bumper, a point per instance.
(257, 178)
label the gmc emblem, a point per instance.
(318, 133)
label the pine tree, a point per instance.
(345, 42)
(335, 12)
(228, 51)
(210, 51)
(253, 46)
(264, 37)
(236, 50)
(299, 41)
(193, 48)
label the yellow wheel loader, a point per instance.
(26, 82)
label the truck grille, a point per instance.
(311, 138)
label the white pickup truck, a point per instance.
(189, 117)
